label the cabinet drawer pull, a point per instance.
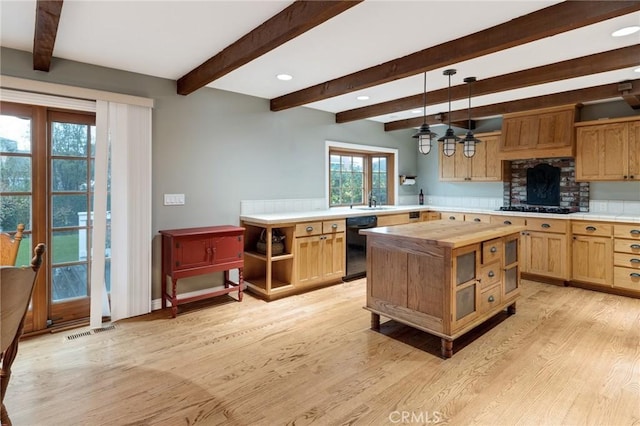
(493, 249)
(591, 228)
(634, 275)
(452, 218)
(334, 226)
(309, 228)
(491, 274)
(635, 246)
(507, 222)
(492, 299)
(546, 225)
(634, 260)
(635, 232)
(477, 219)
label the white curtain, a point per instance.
(129, 132)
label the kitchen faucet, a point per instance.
(372, 199)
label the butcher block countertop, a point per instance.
(445, 233)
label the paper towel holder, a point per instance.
(407, 180)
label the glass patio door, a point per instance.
(46, 179)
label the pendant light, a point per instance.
(449, 139)
(424, 134)
(469, 142)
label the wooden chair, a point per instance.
(9, 246)
(16, 288)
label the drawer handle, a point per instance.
(635, 232)
(477, 219)
(634, 260)
(635, 246)
(452, 218)
(334, 226)
(491, 274)
(493, 249)
(507, 222)
(492, 299)
(309, 228)
(591, 228)
(634, 275)
(546, 225)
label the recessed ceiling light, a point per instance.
(637, 69)
(626, 31)
(363, 98)
(284, 77)
(416, 111)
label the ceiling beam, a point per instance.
(44, 38)
(556, 19)
(595, 93)
(296, 19)
(626, 91)
(592, 64)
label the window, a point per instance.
(356, 174)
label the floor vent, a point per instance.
(90, 332)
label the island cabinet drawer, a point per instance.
(626, 278)
(452, 216)
(491, 250)
(627, 260)
(592, 228)
(329, 226)
(479, 218)
(490, 275)
(508, 220)
(627, 231)
(308, 228)
(490, 298)
(547, 225)
(626, 246)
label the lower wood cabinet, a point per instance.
(592, 253)
(319, 252)
(626, 270)
(545, 248)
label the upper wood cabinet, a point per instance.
(543, 133)
(608, 150)
(484, 166)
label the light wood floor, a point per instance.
(569, 356)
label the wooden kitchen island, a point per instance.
(441, 277)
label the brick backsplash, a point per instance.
(574, 195)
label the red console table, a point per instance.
(196, 251)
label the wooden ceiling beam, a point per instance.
(592, 64)
(296, 19)
(595, 93)
(630, 97)
(556, 19)
(44, 38)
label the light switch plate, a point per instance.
(173, 199)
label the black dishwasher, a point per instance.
(357, 246)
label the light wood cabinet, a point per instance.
(545, 248)
(452, 216)
(592, 253)
(393, 219)
(544, 133)
(319, 252)
(608, 150)
(484, 166)
(626, 269)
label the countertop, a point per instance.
(443, 233)
(344, 212)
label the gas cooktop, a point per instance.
(538, 209)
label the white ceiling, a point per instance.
(169, 38)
